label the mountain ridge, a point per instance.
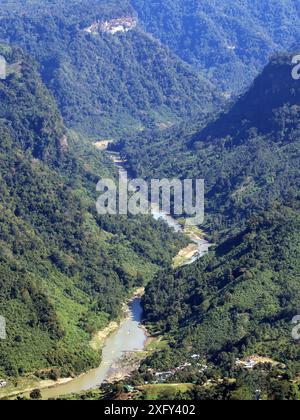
(252, 149)
(238, 302)
(64, 270)
(106, 84)
(219, 37)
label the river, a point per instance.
(130, 337)
(199, 245)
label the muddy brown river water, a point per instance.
(129, 338)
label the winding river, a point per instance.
(130, 337)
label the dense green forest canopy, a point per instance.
(230, 41)
(105, 84)
(239, 301)
(64, 271)
(248, 156)
(234, 304)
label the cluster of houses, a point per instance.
(162, 377)
(253, 361)
(112, 26)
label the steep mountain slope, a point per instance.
(234, 304)
(250, 285)
(64, 271)
(240, 300)
(249, 156)
(107, 78)
(229, 40)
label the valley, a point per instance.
(141, 303)
(49, 296)
(198, 246)
(122, 344)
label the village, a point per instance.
(249, 363)
(113, 26)
(252, 362)
(162, 377)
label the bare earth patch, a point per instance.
(185, 255)
(99, 338)
(102, 144)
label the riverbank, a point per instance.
(122, 342)
(116, 344)
(185, 255)
(51, 389)
(28, 384)
(98, 340)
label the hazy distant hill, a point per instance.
(230, 40)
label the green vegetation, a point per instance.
(64, 270)
(241, 299)
(249, 386)
(229, 41)
(145, 392)
(248, 156)
(163, 391)
(104, 84)
(238, 301)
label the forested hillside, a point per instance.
(105, 83)
(151, 74)
(64, 271)
(245, 291)
(249, 156)
(229, 40)
(234, 304)
(240, 300)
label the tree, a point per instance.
(36, 394)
